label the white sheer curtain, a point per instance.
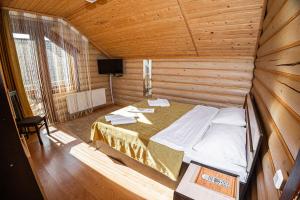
(53, 59)
(26, 48)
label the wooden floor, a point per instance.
(69, 168)
(82, 126)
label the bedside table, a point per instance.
(204, 182)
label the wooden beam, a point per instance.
(187, 26)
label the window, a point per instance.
(27, 56)
(60, 64)
(147, 76)
(22, 42)
(53, 58)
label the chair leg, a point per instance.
(46, 125)
(26, 133)
(38, 134)
(23, 132)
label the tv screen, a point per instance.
(110, 66)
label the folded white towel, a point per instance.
(123, 121)
(112, 117)
(141, 110)
(164, 102)
(159, 102)
(119, 119)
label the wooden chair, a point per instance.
(26, 124)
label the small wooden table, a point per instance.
(204, 182)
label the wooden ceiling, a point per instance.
(156, 28)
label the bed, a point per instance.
(163, 140)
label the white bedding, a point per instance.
(185, 132)
(224, 142)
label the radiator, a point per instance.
(81, 101)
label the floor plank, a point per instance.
(69, 168)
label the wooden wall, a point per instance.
(276, 88)
(128, 89)
(215, 82)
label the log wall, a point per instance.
(128, 89)
(97, 80)
(215, 82)
(276, 88)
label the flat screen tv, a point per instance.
(110, 66)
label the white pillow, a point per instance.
(224, 143)
(231, 116)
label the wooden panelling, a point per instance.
(53, 7)
(218, 82)
(136, 29)
(160, 29)
(276, 88)
(224, 28)
(128, 89)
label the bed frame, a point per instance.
(253, 143)
(254, 140)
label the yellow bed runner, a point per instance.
(134, 139)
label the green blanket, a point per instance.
(134, 139)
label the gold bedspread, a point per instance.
(133, 139)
